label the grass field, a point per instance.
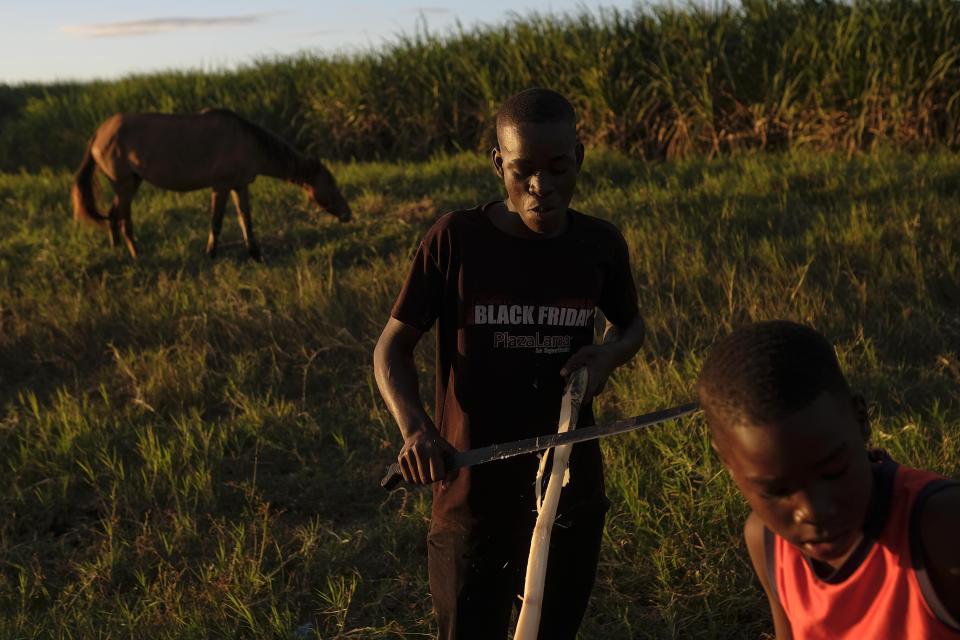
(191, 449)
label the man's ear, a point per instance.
(863, 418)
(497, 161)
(579, 154)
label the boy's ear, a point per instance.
(863, 418)
(579, 154)
(497, 161)
(716, 451)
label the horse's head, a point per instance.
(323, 190)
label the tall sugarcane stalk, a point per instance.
(528, 623)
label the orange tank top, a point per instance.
(882, 591)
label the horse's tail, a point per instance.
(83, 192)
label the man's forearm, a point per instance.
(422, 455)
(399, 384)
(622, 345)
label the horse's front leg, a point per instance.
(218, 205)
(241, 198)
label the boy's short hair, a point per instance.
(766, 371)
(535, 105)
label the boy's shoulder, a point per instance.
(939, 527)
(940, 519)
(602, 236)
(590, 223)
(454, 222)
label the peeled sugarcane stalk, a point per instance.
(528, 623)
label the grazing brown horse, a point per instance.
(214, 148)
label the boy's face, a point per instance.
(806, 476)
(539, 163)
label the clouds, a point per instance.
(161, 25)
(437, 11)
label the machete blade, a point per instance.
(505, 450)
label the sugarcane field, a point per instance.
(580, 321)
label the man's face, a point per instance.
(806, 476)
(539, 163)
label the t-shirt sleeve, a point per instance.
(618, 298)
(420, 299)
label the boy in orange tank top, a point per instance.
(847, 543)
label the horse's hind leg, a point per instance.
(241, 198)
(120, 214)
(114, 216)
(217, 206)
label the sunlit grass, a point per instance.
(192, 448)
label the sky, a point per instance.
(51, 40)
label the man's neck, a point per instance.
(512, 224)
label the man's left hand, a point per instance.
(599, 363)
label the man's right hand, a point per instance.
(423, 457)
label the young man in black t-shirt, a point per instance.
(513, 286)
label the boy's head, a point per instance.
(538, 156)
(786, 426)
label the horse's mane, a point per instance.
(273, 146)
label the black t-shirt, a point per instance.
(510, 312)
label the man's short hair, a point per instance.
(535, 105)
(766, 371)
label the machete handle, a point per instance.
(392, 477)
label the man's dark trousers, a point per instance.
(476, 577)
